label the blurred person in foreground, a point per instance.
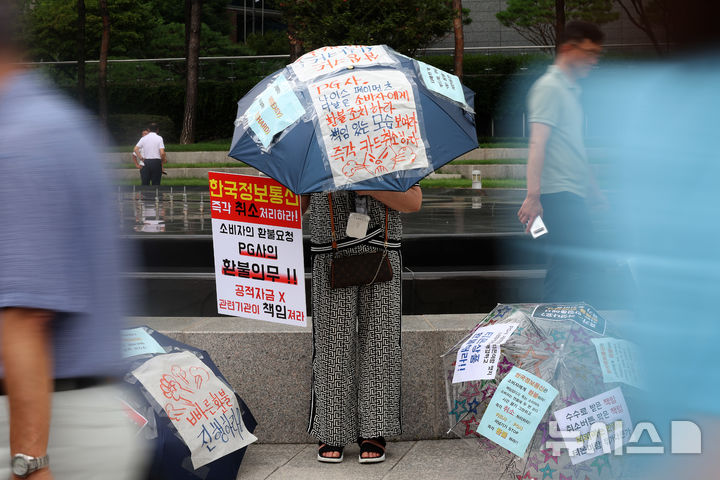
(663, 119)
(559, 179)
(60, 287)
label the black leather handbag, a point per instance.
(362, 269)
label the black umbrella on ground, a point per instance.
(221, 418)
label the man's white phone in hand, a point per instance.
(538, 227)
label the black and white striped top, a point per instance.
(343, 205)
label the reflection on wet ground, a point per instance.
(186, 210)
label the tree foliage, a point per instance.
(405, 26)
(52, 28)
(650, 16)
(140, 29)
(534, 20)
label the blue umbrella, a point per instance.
(356, 118)
(170, 459)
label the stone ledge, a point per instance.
(269, 366)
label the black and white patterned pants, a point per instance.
(356, 356)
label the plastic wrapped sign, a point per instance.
(443, 83)
(327, 60)
(515, 410)
(478, 357)
(274, 110)
(369, 124)
(201, 407)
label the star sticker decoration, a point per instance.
(456, 411)
(543, 427)
(526, 476)
(557, 335)
(547, 471)
(580, 467)
(533, 462)
(601, 462)
(572, 399)
(534, 340)
(485, 442)
(528, 358)
(504, 366)
(472, 405)
(488, 392)
(563, 477)
(469, 423)
(549, 456)
(548, 346)
(580, 335)
(472, 390)
(501, 311)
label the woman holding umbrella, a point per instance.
(356, 329)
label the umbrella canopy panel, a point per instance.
(378, 124)
(560, 352)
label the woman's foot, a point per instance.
(372, 450)
(329, 454)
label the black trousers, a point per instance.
(151, 173)
(573, 269)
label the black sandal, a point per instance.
(372, 445)
(325, 448)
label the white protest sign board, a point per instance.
(369, 124)
(606, 408)
(478, 357)
(257, 245)
(201, 407)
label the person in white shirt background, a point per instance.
(150, 150)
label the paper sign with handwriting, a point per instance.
(369, 124)
(327, 60)
(200, 406)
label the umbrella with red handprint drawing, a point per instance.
(198, 426)
(546, 348)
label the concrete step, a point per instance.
(269, 366)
